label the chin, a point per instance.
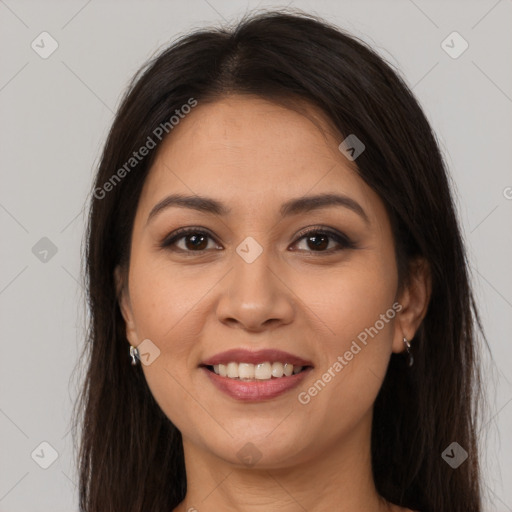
(260, 449)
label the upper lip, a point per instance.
(240, 355)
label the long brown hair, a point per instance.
(131, 456)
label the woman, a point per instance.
(273, 246)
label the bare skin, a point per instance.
(192, 303)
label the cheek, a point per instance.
(171, 305)
(355, 349)
(163, 303)
(356, 319)
(165, 311)
(334, 306)
(352, 297)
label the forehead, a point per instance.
(248, 150)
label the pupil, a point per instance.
(317, 244)
(194, 239)
(198, 241)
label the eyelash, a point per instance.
(341, 239)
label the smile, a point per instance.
(261, 371)
(255, 376)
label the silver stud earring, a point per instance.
(134, 353)
(410, 358)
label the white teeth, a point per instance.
(232, 370)
(245, 371)
(263, 371)
(260, 371)
(277, 370)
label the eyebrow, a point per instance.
(291, 207)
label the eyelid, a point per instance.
(341, 238)
(176, 235)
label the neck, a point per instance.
(339, 478)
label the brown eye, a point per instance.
(318, 240)
(195, 240)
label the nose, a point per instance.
(254, 297)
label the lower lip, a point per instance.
(257, 390)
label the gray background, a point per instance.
(55, 114)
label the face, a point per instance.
(319, 283)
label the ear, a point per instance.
(414, 300)
(120, 278)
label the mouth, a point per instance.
(255, 376)
(248, 372)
